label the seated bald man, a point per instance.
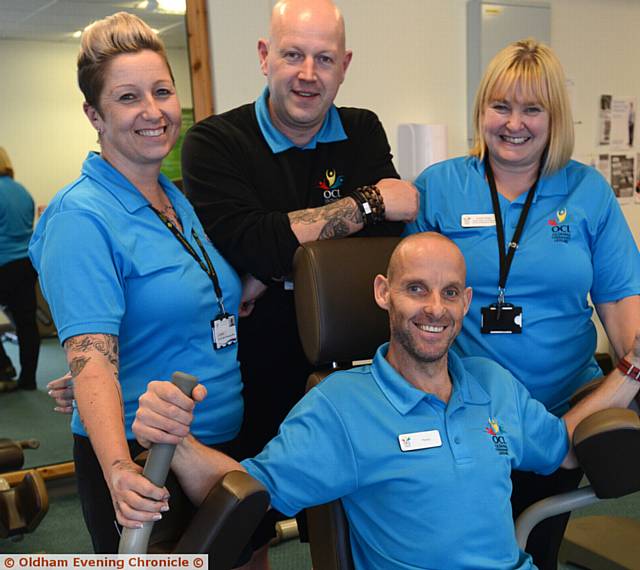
(408, 443)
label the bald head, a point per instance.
(421, 248)
(425, 295)
(323, 15)
(305, 62)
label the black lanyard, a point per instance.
(208, 268)
(506, 258)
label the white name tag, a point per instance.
(477, 220)
(419, 440)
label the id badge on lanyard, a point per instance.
(223, 326)
(223, 331)
(502, 317)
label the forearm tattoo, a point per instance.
(339, 217)
(80, 350)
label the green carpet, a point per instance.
(62, 531)
(26, 415)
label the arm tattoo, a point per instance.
(77, 364)
(335, 228)
(339, 217)
(104, 344)
(79, 349)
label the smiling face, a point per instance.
(139, 118)
(516, 130)
(305, 62)
(426, 298)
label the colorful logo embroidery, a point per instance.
(331, 185)
(497, 436)
(494, 427)
(560, 232)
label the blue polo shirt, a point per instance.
(16, 220)
(330, 131)
(441, 507)
(575, 242)
(108, 265)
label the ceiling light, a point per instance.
(173, 6)
(76, 34)
(164, 6)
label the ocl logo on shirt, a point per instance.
(560, 232)
(497, 436)
(331, 185)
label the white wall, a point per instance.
(42, 125)
(597, 43)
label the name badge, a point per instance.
(477, 220)
(506, 319)
(420, 440)
(223, 330)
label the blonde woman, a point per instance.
(540, 233)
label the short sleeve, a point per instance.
(616, 260)
(545, 441)
(78, 269)
(311, 461)
(422, 222)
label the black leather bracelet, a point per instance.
(364, 206)
(373, 196)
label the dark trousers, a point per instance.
(95, 498)
(545, 539)
(18, 294)
(274, 368)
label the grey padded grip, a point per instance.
(136, 540)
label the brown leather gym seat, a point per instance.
(339, 322)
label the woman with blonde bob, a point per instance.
(540, 234)
(135, 286)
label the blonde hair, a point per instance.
(105, 39)
(6, 168)
(532, 68)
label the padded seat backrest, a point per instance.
(607, 445)
(220, 527)
(225, 521)
(338, 322)
(338, 319)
